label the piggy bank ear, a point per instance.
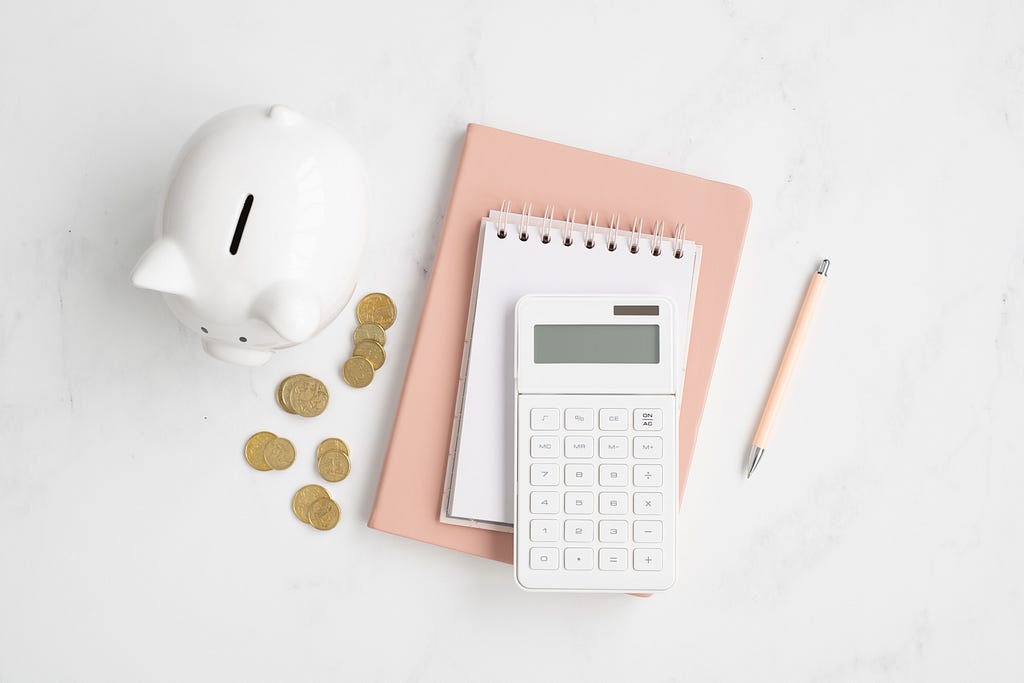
(163, 268)
(290, 308)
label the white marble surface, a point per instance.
(881, 539)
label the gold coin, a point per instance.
(334, 466)
(371, 331)
(304, 497)
(279, 394)
(357, 372)
(284, 388)
(323, 514)
(377, 308)
(331, 444)
(307, 396)
(254, 450)
(280, 453)
(371, 351)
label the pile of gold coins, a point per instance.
(307, 396)
(313, 505)
(266, 451)
(302, 395)
(376, 312)
(332, 461)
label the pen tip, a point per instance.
(823, 268)
(755, 457)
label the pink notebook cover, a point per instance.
(498, 165)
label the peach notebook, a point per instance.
(498, 165)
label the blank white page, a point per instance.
(480, 477)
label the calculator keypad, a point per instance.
(596, 492)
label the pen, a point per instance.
(789, 359)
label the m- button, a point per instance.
(647, 418)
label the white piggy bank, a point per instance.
(260, 232)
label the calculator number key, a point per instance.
(579, 558)
(581, 503)
(609, 531)
(647, 559)
(613, 419)
(544, 502)
(579, 419)
(544, 447)
(647, 419)
(579, 475)
(612, 559)
(543, 558)
(646, 475)
(544, 474)
(613, 475)
(544, 419)
(579, 447)
(647, 447)
(647, 503)
(579, 531)
(612, 446)
(612, 503)
(543, 530)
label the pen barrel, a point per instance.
(789, 360)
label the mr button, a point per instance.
(647, 418)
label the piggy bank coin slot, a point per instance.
(236, 239)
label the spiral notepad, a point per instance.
(519, 254)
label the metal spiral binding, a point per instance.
(506, 205)
(634, 234)
(591, 231)
(657, 236)
(546, 225)
(570, 218)
(679, 240)
(613, 232)
(524, 222)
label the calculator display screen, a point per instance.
(596, 344)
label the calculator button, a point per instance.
(612, 503)
(545, 474)
(543, 530)
(544, 502)
(647, 447)
(543, 558)
(644, 532)
(579, 558)
(579, 503)
(647, 503)
(579, 475)
(613, 419)
(544, 447)
(647, 559)
(579, 531)
(613, 475)
(646, 475)
(579, 419)
(611, 531)
(612, 559)
(579, 447)
(544, 419)
(647, 419)
(613, 446)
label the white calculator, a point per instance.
(596, 481)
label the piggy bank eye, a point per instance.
(242, 339)
(205, 331)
